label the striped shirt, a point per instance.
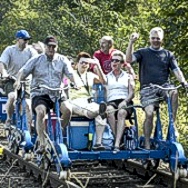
(49, 73)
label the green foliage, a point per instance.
(79, 24)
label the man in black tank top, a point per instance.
(155, 64)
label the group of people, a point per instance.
(109, 67)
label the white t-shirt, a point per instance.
(13, 58)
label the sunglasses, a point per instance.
(84, 62)
(26, 39)
(153, 38)
(51, 46)
(115, 60)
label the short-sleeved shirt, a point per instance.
(154, 65)
(104, 60)
(47, 72)
(86, 78)
(117, 88)
(13, 58)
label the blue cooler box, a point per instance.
(78, 131)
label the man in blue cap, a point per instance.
(12, 60)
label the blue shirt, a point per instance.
(154, 65)
(49, 73)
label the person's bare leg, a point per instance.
(120, 126)
(40, 123)
(29, 113)
(10, 107)
(90, 112)
(112, 119)
(148, 124)
(66, 110)
(174, 102)
(99, 122)
(29, 117)
(100, 127)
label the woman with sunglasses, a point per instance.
(80, 99)
(120, 92)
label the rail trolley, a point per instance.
(79, 137)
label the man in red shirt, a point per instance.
(104, 56)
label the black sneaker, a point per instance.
(102, 110)
(98, 147)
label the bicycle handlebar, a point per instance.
(49, 88)
(7, 78)
(165, 88)
(13, 78)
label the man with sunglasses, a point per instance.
(155, 64)
(104, 55)
(12, 59)
(49, 69)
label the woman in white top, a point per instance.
(120, 92)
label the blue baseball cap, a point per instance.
(23, 34)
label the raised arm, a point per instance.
(96, 64)
(133, 38)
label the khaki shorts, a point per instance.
(82, 103)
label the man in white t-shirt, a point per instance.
(12, 59)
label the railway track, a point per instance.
(17, 172)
